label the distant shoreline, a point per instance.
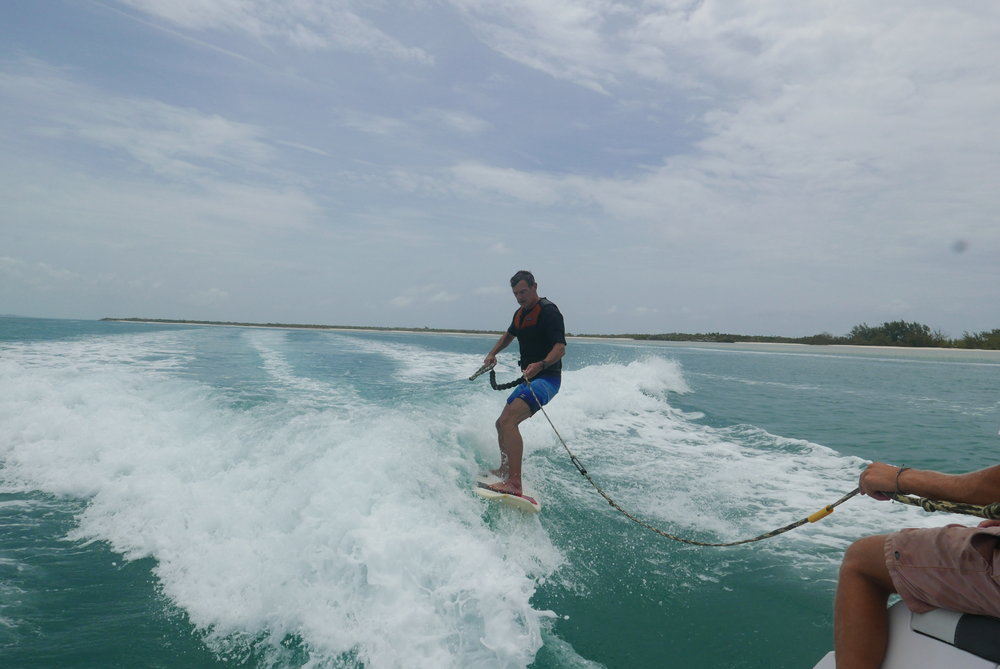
(343, 328)
(674, 338)
(304, 326)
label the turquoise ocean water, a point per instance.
(183, 496)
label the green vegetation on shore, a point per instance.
(894, 333)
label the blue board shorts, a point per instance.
(544, 387)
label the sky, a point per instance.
(753, 167)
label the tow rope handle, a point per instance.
(482, 370)
(493, 378)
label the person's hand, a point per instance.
(877, 478)
(532, 370)
(490, 359)
(990, 523)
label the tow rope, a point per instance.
(988, 511)
(991, 511)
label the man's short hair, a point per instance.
(523, 275)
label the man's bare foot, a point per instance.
(505, 487)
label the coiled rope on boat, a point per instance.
(991, 511)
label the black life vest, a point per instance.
(537, 330)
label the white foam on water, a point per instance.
(356, 532)
(302, 390)
(360, 537)
(419, 364)
(700, 482)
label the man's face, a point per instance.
(525, 295)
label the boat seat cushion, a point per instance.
(979, 635)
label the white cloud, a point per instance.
(210, 296)
(826, 122)
(305, 24)
(423, 295)
(206, 176)
(178, 143)
(823, 101)
(402, 301)
(458, 121)
(492, 290)
(371, 123)
(442, 296)
(37, 275)
(563, 38)
(537, 188)
(766, 160)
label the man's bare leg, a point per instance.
(860, 618)
(511, 446)
(501, 471)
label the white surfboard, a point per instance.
(524, 502)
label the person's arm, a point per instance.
(551, 358)
(505, 339)
(979, 487)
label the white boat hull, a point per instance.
(909, 649)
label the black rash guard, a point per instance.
(537, 330)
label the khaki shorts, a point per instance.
(953, 567)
